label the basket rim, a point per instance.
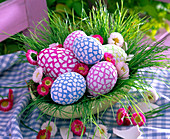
(67, 111)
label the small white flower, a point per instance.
(52, 127)
(152, 95)
(116, 38)
(37, 75)
(122, 70)
(102, 132)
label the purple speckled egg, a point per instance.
(101, 78)
(68, 43)
(56, 61)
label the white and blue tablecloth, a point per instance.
(13, 74)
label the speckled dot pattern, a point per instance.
(117, 52)
(68, 43)
(56, 61)
(88, 50)
(68, 88)
(101, 78)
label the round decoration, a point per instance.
(117, 52)
(68, 88)
(68, 43)
(88, 50)
(101, 78)
(56, 61)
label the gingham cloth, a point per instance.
(13, 74)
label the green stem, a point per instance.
(156, 111)
(28, 127)
(154, 116)
(2, 97)
(158, 108)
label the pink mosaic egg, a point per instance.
(101, 78)
(68, 43)
(56, 61)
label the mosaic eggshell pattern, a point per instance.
(88, 50)
(56, 61)
(117, 52)
(101, 78)
(68, 88)
(68, 43)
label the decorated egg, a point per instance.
(68, 88)
(56, 61)
(68, 43)
(117, 52)
(101, 78)
(88, 50)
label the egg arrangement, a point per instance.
(67, 84)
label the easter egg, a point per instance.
(117, 52)
(101, 78)
(88, 50)
(68, 88)
(68, 43)
(56, 61)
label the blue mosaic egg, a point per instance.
(68, 88)
(88, 49)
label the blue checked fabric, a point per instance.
(13, 74)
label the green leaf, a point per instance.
(63, 8)
(77, 8)
(167, 17)
(11, 48)
(2, 1)
(166, 25)
(150, 10)
(143, 2)
(69, 3)
(50, 2)
(1, 50)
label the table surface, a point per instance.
(13, 75)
